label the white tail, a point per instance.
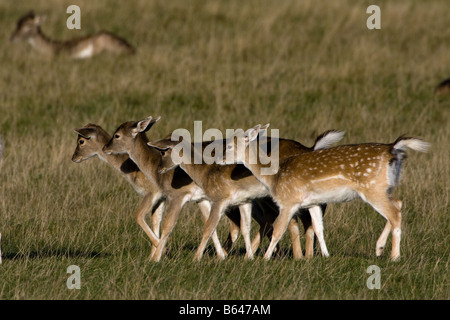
(411, 143)
(328, 138)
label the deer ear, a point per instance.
(86, 133)
(251, 134)
(161, 149)
(264, 127)
(146, 124)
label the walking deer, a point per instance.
(235, 185)
(29, 29)
(90, 142)
(368, 171)
(175, 187)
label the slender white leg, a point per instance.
(246, 218)
(217, 209)
(381, 242)
(205, 209)
(317, 223)
(279, 228)
(157, 218)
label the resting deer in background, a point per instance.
(234, 185)
(29, 29)
(368, 171)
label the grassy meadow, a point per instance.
(303, 66)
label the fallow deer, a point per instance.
(368, 171)
(175, 187)
(29, 29)
(90, 142)
(235, 185)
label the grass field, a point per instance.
(303, 66)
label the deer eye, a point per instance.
(81, 142)
(163, 153)
(117, 136)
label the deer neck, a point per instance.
(43, 44)
(253, 163)
(197, 172)
(146, 158)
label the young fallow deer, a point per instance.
(175, 187)
(264, 211)
(234, 185)
(90, 142)
(369, 171)
(29, 29)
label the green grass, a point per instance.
(303, 66)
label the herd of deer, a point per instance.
(306, 180)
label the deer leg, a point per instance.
(157, 218)
(217, 210)
(390, 209)
(234, 216)
(317, 224)
(205, 208)
(174, 207)
(279, 228)
(142, 210)
(305, 218)
(246, 219)
(295, 239)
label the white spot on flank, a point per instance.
(86, 52)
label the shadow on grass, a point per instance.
(53, 253)
(284, 253)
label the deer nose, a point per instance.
(106, 150)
